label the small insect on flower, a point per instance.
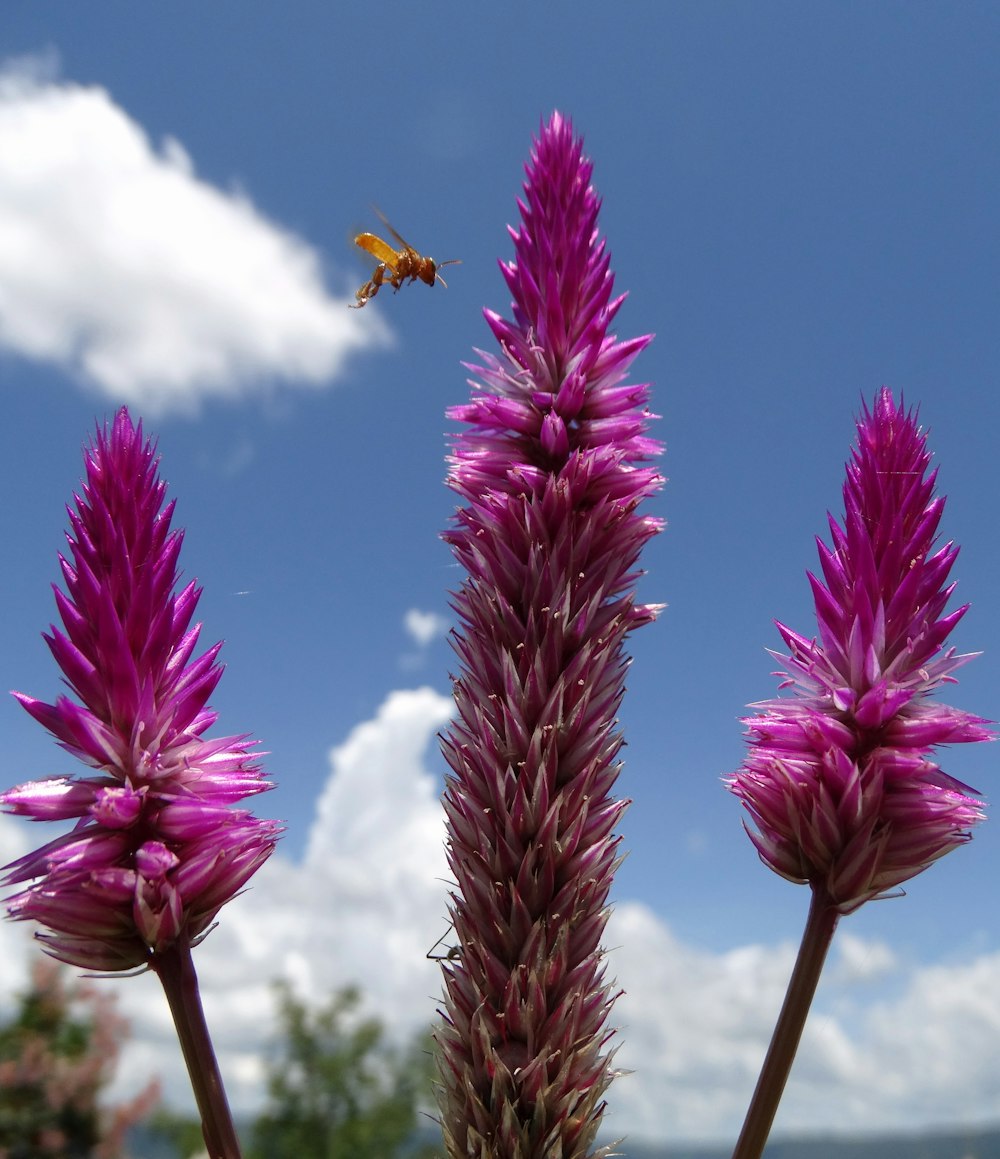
(446, 953)
(395, 266)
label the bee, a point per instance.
(395, 266)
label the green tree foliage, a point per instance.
(56, 1056)
(337, 1090)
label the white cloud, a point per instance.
(122, 267)
(365, 905)
(17, 837)
(889, 1045)
(693, 1028)
(856, 960)
(424, 627)
(696, 1025)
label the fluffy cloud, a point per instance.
(124, 268)
(364, 905)
(16, 839)
(367, 901)
(424, 627)
(695, 1026)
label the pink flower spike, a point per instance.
(552, 466)
(837, 778)
(107, 892)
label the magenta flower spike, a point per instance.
(551, 467)
(839, 779)
(157, 848)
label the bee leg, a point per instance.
(371, 287)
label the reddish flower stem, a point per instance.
(175, 969)
(816, 939)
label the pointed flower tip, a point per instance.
(137, 720)
(555, 397)
(837, 778)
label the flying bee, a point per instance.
(395, 266)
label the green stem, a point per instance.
(175, 969)
(816, 938)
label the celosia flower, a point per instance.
(550, 467)
(838, 778)
(157, 848)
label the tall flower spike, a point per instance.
(157, 848)
(550, 466)
(838, 778)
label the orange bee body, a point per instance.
(395, 266)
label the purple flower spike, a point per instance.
(551, 466)
(837, 779)
(156, 851)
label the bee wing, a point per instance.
(398, 236)
(380, 250)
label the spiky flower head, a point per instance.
(157, 848)
(838, 778)
(551, 467)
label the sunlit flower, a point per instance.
(157, 848)
(838, 778)
(551, 467)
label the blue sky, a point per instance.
(801, 200)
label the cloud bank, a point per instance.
(124, 269)
(890, 1045)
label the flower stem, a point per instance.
(175, 969)
(816, 938)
